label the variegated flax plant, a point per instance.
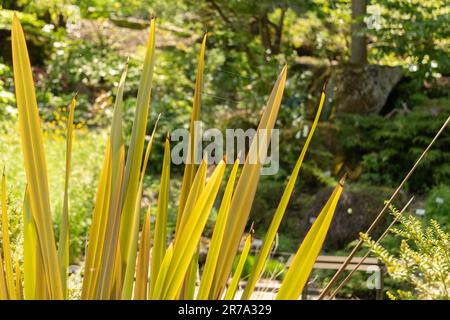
(123, 259)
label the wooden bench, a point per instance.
(335, 262)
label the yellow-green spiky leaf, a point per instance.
(140, 287)
(231, 292)
(242, 200)
(189, 169)
(304, 259)
(34, 158)
(196, 189)
(134, 156)
(6, 245)
(156, 294)
(217, 237)
(279, 213)
(132, 252)
(187, 241)
(19, 289)
(160, 233)
(98, 229)
(30, 246)
(3, 288)
(63, 247)
(108, 265)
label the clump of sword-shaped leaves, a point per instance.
(122, 262)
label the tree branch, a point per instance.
(219, 11)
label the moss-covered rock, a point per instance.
(362, 90)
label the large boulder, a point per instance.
(362, 89)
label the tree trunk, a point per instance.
(358, 51)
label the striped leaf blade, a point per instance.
(190, 167)
(63, 247)
(187, 241)
(160, 230)
(30, 246)
(127, 289)
(231, 292)
(244, 194)
(217, 237)
(3, 288)
(34, 158)
(143, 264)
(7, 255)
(279, 213)
(135, 152)
(98, 229)
(303, 262)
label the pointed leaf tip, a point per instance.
(252, 229)
(342, 180)
(283, 73)
(324, 87)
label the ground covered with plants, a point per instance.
(382, 109)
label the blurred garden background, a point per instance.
(387, 71)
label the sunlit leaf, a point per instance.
(231, 292)
(190, 167)
(217, 237)
(279, 213)
(303, 262)
(187, 241)
(160, 233)
(244, 194)
(34, 158)
(63, 247)
(136, 149)
(7, 255)
(143, 264)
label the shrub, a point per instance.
(385, 147)
(7, 99)
(422, 262)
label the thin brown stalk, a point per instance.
(336, 276)
(342, 284)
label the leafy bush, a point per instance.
(7, 99)
(422, 262)
(415, 33)
(40, 40)
(387, 146)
